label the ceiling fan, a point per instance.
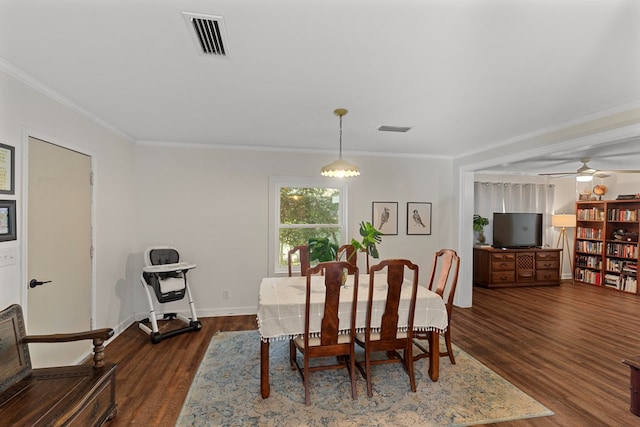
(587, 173)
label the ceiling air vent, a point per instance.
(208, 33)
(385, 128)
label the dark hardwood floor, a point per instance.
(561, 345)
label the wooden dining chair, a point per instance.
(445, 262)
(347, 253)
(366, 254)
(303, 257)
(329, 342)
(388, 338)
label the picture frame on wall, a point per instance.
(418, 218)
(7, 169)
(7, 220)
(385, 217)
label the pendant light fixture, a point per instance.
(340, 168)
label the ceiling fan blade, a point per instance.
(557, 174)
(620, 171)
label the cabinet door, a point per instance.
(525, 267)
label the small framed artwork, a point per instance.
(7, 220)
(419, 218)
(7, 169)
(385, 217)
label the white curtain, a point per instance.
(490, 197)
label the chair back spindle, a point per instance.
(303, 257)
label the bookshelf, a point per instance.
(606, 244)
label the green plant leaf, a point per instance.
(321, 249)
(479, 222)
(370, 238)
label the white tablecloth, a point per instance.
(281, 306)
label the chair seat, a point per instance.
(171, 285)
(375, 336)
(315, 341)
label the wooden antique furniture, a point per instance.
(303, 256)
(387, 336)
(80, 395)
(445, 261)
(281, 308)
(330, 341)
(497, 267)
(348, 253)
(634, 376)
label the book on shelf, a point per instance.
(631, 285)
(622, 215)
(621, 282)
(592, 214)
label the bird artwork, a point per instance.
(384, 217)
(417, 219)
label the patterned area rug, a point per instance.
(226, 392)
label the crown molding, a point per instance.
(45, 90)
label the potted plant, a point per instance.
(479, 223)
(370, 238)
(321, 249)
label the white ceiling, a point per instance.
(464, 74)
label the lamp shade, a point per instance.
(340, 169)
(563, 220)
(584, 177)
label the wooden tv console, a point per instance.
(496, 267)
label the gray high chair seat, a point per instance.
(167, 277)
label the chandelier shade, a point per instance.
(340, 168)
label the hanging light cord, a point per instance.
(340, 137)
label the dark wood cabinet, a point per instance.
(494, 267)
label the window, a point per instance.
(305, 208)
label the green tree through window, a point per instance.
(308, 212)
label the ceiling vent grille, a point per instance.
(386, 128)
(208, 33)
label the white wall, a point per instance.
(26, 111)
(212, 204)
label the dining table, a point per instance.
(281, 313)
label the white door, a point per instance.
(58, 250)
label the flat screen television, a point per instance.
(517, 230)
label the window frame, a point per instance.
(275, 184)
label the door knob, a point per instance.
(33, 283)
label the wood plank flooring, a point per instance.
(561, 345)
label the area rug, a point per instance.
(226, 392)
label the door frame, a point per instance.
(33, 133)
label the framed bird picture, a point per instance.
(385, 217)
(419, 218)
